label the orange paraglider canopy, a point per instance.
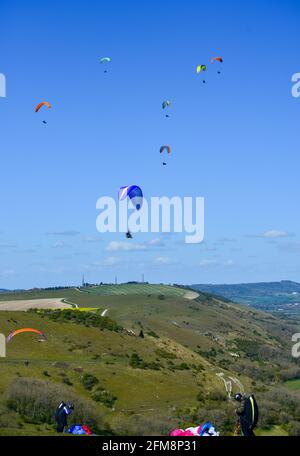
(216, 59)
(44, 103)
(166, 147)
(23, 330)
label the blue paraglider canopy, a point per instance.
(134, 193)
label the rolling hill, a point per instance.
(158, 359)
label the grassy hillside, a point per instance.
(95, 296)
(135, 288)
(150, 384)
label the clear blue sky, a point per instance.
(235, 140)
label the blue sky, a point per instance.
(235, 140)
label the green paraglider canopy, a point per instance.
(105, 60)
(201, 68)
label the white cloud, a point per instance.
(63, 233)
(229, 263)
(7, 272)
(153, 244)
(60, 245)
(115, 246)
(156, 242)
(206, 263)
(273, 234)
(163, 260)
(91, 239)
(111, 261)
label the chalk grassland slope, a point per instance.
(170, 373)
(87, 294)
(26, 304)
(93, 296)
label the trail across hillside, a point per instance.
(191, 295)
(26, 304)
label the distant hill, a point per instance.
(3, 290)
(135, 288)
(281, 296)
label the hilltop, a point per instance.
(156, 360)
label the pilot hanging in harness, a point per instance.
(61, 415)
(247, 413)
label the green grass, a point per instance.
(274, 431)
(102, 353)
(135, 289)
(293, 384)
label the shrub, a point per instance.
(105, 397)
(165, 354)
(153, 334)
(294, 428)
(84, 318)
(67, 381)
(137, 363)
(89, 381)
(36, 401)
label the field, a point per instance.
(135, 289)
(26, 304)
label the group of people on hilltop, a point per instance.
(247, 413)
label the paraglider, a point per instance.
(134, 193)
(24, 330)
(247, 413)
(162, 149)
(200, 68)
(166, 104)
(105, 60)
(43, 103)
(217, 59)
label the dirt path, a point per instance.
(23, 305)
(191, 295)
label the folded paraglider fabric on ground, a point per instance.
(78, 429)
(204, 430)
